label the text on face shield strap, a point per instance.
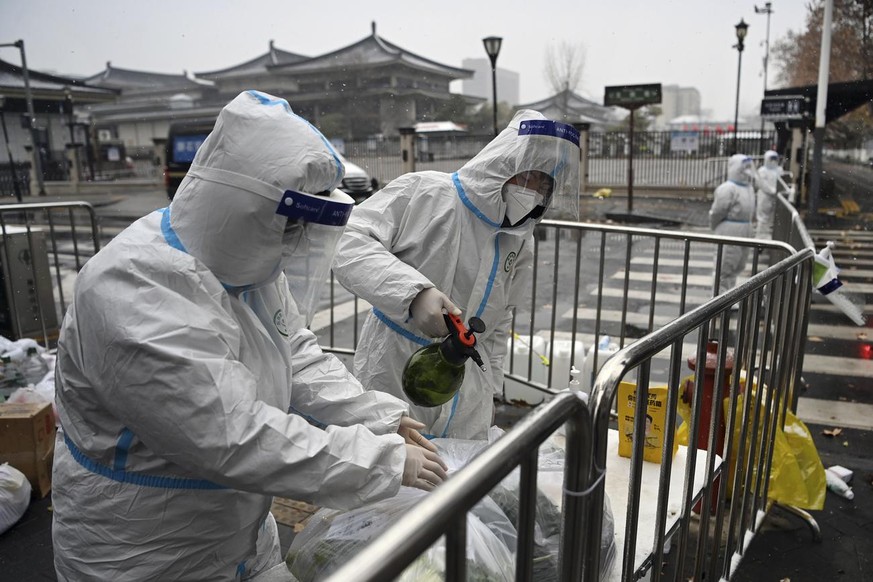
(317, 209)
(550, 128)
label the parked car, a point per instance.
(357, 183)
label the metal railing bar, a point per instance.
(627, 258)
(456, 549)
(554, 299)
(693, 433)
(526, 517)
(666, 470)
(636, 471)
(395, 548)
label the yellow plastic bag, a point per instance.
(797, 475)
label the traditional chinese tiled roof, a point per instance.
(273, 57)
(127, 79)
(368, 52)
(578, 108)
(46, 86)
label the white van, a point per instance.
(356, 182)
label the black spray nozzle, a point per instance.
(460, 344)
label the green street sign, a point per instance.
(631, 96)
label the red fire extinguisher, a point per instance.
(709, 371)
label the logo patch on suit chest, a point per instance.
(510, 260)
(279, 322)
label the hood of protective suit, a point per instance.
(771, 160)
(224, 212)
(517, 149)
(740, 169)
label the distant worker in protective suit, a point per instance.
(767, 183)
(188, 389)
(432, 242)
(733, 208)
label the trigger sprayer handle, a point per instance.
(458, 330)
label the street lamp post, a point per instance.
(15, 185)
(492, 47)
(742, 28)
(31, 118)
(768, 10)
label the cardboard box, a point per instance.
(27, 442)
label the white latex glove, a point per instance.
(409, 430)
(423, 469)
(427, 312)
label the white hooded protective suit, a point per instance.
(767, 183)
(186, 401)
(432, 229)
(733, 207)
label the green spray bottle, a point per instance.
(434, 374)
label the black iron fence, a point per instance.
(679, 159)
(12, 175)
(683, 159)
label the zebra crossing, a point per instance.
(838, 363)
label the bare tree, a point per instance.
(797, 61)
(565, 63)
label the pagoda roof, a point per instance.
(46, 86)
(273, 57)
(118, 78)
(577, 107)
(372, 51)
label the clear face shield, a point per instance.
(546, 173)
(315, 225)
(748, 170)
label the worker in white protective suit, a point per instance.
(733, 208)
(188, 390)
(433, 242)
(767, 184)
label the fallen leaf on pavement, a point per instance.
(862, 335)
(845, 443)
(832, 432)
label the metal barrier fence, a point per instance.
(445, 510)
(788, 227)
(766, 336)
(658, 161)
(43, 247)
(12, 175)
(589, 281)
(762, 320)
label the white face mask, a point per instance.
(771, 164)
(520, 201)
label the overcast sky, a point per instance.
(684, 42)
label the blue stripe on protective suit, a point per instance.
(173, 240)
(490, 285)
(167, 230)
(469, 203)
(121, 448)
(140, 479)
(404, 332)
